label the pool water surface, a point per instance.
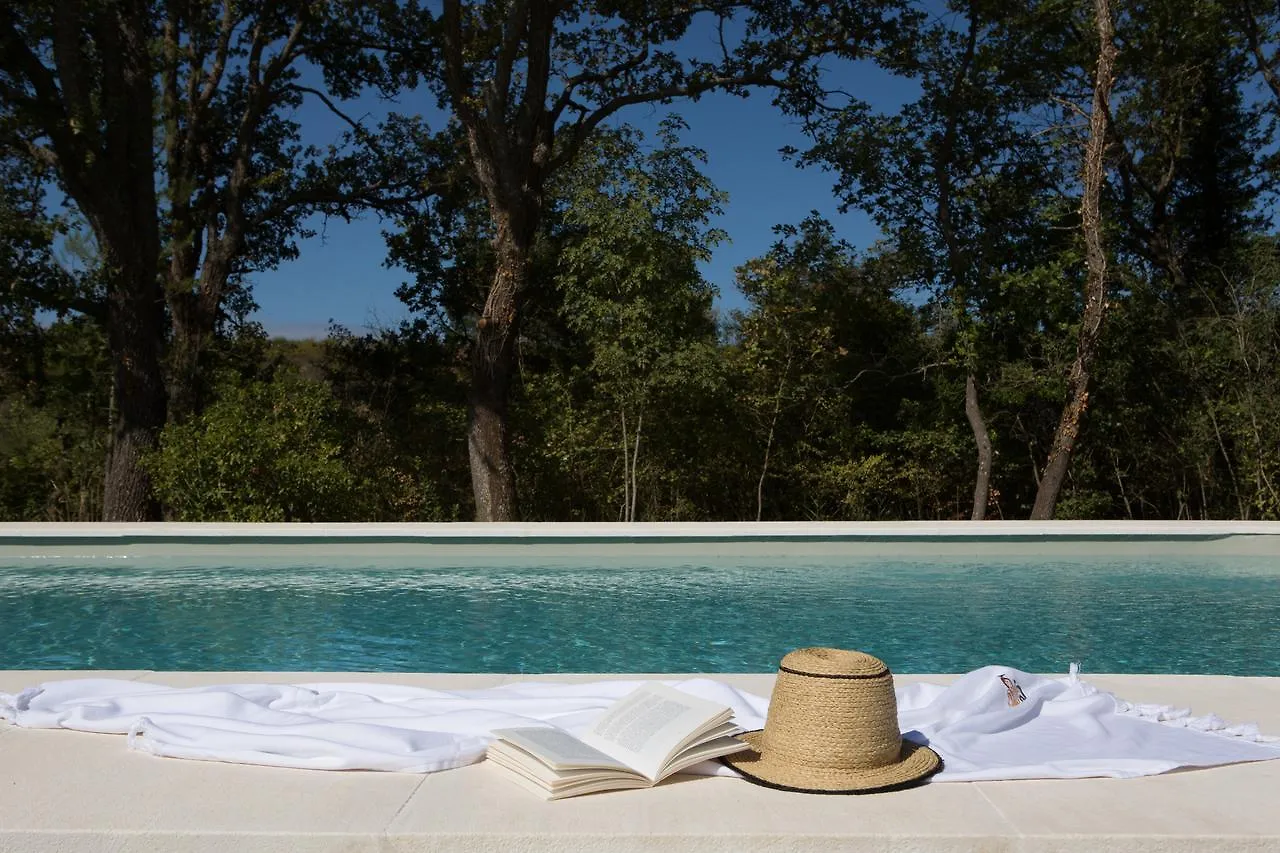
(1202, 615)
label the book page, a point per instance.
(645, 728)
(514, 758)
(704, 751)
(558, 749)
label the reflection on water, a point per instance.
(1219, 616)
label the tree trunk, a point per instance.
(135, 325)
(1095, 304)
(982, 483)
(635, 461)
(493, 480)
(959, 265)
(626, 470)
(768, 444)
(193, 311)
(123, 211)
(184, 358)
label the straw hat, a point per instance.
(833, 729)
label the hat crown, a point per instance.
(833, 709)
(833, 662)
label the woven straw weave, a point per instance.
(832, 727)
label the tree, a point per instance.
(53, 407)
(616, 324)
(237, 181)
(273, 450)
(958, 180)
(83, 93)
(826, 360)
(632, 227)
(1258, 21)
(78, 89)
(1095, 292)
(529, 81)
(30, 277)
(1185, 170)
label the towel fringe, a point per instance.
(1171, 715)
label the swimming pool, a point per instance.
(609, 611)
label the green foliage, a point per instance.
(825, 357)
(263, 452)
(29, 449)
(53, 425)
(405, 390)
(628, 228)
(838, 392)
(283, 450)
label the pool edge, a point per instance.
(908, 538)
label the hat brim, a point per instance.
(915, 764)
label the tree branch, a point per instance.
(513, 33)
(288, 53)
(214, 78)
(454, 70)
(533, 106)
(582, 129)
(355, 125)
(69, 60)
(1248, 22)
(565, 99)
(48, 98)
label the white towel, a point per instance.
(1045, 728)
(1059, 728)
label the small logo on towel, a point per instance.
(1013, 691)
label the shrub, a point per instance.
(271, 451)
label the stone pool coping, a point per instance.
(70, 792)
(761, 539)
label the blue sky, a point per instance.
(341, 277)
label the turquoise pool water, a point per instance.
(1161, 616)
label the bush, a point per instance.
(277, 451)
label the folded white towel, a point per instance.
(981, 726)
(1061, 728)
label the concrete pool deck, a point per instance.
(70, 791)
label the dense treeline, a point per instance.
(1074, 310)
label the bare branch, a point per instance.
(257, 45)
(288, 53)
(583, 128)
(354, 124)
(565, 98)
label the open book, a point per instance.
(644, 737)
